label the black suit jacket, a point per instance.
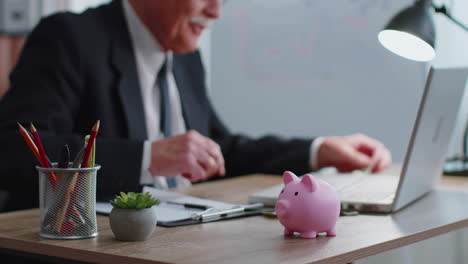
(76, 69)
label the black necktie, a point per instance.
(166, 118)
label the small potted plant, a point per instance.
(133, 217)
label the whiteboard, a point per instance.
(312, 68)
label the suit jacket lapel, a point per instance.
(123, 59)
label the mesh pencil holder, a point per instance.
(67, 202)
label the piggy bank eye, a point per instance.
(296, 193)
(282, 191)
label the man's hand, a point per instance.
(191, 155)
(354, 152)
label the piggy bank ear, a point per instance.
(289, 177)
(309, 182)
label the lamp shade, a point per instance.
(411, 33)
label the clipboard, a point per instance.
(177, 209)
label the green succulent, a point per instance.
(133, 200)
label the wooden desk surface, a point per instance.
(253, 239)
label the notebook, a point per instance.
(425, 154)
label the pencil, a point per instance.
(30, 143)
(89, 147)
(42, 153)
(91, 160)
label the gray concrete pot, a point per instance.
(133, 224)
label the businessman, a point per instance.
(134, 65)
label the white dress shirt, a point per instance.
(149, 60)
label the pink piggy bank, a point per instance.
(307, 206)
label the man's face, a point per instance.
(178, 24)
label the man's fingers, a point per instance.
(353, 159)
(222, 171)
(381, 157)
(218, 164)
(191, 155)
(355, 152)
(192, 170)
(214, 151)
(216, 154)
(384, 161)
(359, 161)
(370, 148)
(208, 164)
(205, 151)
(365, 144)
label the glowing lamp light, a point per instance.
(406, 45)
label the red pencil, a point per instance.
(91, 140)
(42, 153)
(30, 143)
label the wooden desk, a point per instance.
(249, 240)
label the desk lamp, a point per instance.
(411, 35)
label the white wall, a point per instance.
(313, 67)
(452, 43)
(52, 6)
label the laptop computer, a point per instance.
(425, 155)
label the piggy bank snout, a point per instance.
(282, 208)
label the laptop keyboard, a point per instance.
(359, 186)
(354, 187)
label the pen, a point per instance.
(64, 157)
(190, 205)
(216, 215)
(213, 214)
(250, 207)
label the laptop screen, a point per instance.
(431, 133)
